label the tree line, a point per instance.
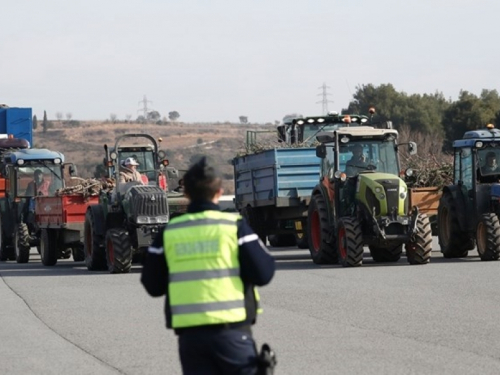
(429, 114)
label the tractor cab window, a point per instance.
(145, 160)
(33, 180)
(488, 168)
(463, 167)
(371, 155)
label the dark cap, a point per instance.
(357, 147)
(491, 154)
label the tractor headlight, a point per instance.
(378, 189)
(20, 161)
(402, 195)
(381, 196)
(152, 220)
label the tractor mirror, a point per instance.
(162, 154)
(412, 148)
(321, 151)
(72, 170)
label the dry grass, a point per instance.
(84, 145)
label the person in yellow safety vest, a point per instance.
(207, 264)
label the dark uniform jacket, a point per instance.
(256, 265)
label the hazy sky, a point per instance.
(214, 60)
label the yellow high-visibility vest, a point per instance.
(205, 287)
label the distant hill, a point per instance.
(83, 144)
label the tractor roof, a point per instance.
(364, 132)
(331, 118)
(33, 154)
(490, 134)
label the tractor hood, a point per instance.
(382, 193)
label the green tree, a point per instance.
(35, 122)
(45, 123)
(470, 112)
(174, 115)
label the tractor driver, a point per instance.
(490, 172)
(358, 162)
(38, 185)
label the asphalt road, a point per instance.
(439, 318)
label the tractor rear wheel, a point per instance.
(350, 242)
(454, 242)
(488, 237)
(419, 249)
(386, 254)
(22, 243)
(95, 258)
(318, 232)
(48, 247)
(118, 251)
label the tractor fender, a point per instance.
(458, 197)
(98, 215)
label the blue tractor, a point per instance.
(469, 209)
(27, 173)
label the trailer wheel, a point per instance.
(418, 250)
(488, 237)
(454, 242)
(118, 251)
(22, 243)
(95, 258)
(318, 232)
(350, 242)
(48, 244)
(78, 253)
(386, 254)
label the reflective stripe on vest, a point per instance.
(205, 287)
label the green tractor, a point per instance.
(119, 229)
(361, 200)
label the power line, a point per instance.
(145, 108)
(324, 102)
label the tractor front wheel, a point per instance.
(488, 237)
(350, 242)
(419, 249)
(22, 243)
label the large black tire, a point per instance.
(95, 257)
(350, 242)
(454, 242)
(386, 254)
(48, 247)
(252, 218)
(22, 243)
(118, 251)
(419, 249)
(488, 237)
(78, 253)
(318, 233)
